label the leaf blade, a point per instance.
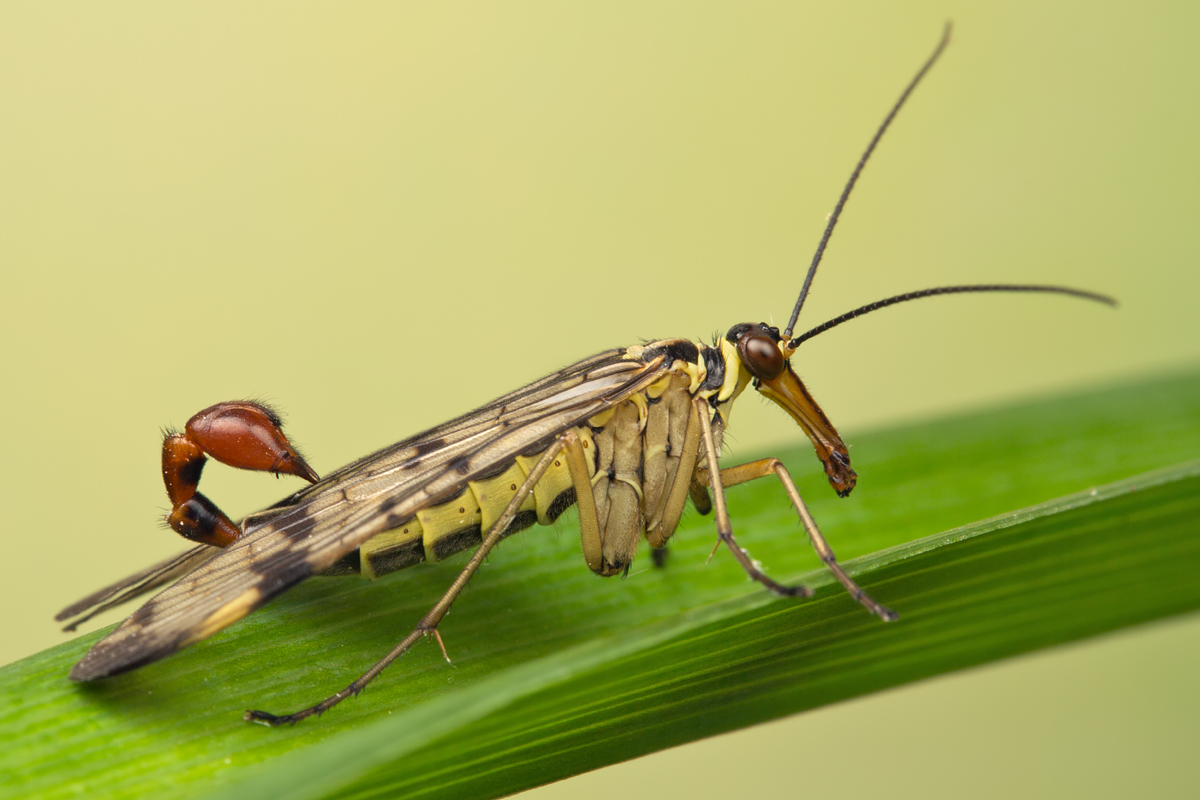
(173, 728)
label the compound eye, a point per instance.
(761, 355)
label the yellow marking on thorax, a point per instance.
(697, 372)
(601, 419)
(737, 377)
(639, 400)
(656, 389)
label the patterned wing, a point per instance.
(311, 530)
(135, 585)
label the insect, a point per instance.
(628, 435)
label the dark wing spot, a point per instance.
(274, 577)
(428, 446)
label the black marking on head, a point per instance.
(456, 542)
(402, 556)
(758, 327)
(561, 504)
(736, 331)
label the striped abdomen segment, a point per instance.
(633, 451)
(440, 531)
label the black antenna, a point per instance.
(904, 298)
(862, 162)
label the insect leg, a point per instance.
(677, 496)
(724, 525)
(585, 501)
(135, 585)
(700, 499)
(428, 625)
(773, 466)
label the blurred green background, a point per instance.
(380, 216)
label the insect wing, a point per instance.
(318, 526)
(135, 585)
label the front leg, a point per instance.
(766, 467)
(712, 470)
(242, 434)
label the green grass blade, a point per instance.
(559, 672)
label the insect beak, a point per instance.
(787, 391)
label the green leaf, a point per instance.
(557, 672)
